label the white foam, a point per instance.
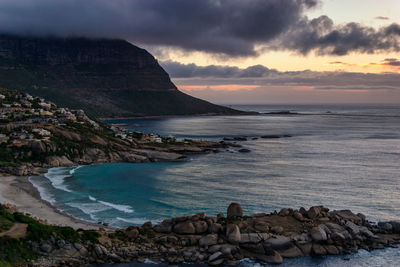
(92, 198)
(89, 208)
(57, 178)
(72, 171)
(43, 192)
(134, 221)
(123, 208)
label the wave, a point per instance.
(92, 198)
(89, 208)
(123, 208)
(43, 192)
(71, 172)
(57, 178)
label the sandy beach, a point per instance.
(19, 192)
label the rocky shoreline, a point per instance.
(216, 240)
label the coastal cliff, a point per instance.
(104, 77)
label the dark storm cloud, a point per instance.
(322, 36)
(191, 74)
(392, 62)
(230, 27)
(178, 70)
(217, 26)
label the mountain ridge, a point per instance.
(105, 77)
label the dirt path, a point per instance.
(17, 230)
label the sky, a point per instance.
(243, 51)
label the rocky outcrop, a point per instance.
(219, 240)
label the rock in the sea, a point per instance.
(318, 249)
(234, 210)
(292, 252)
(186, 227)
(395, 226)
(385, 226)
(244, 150)
(233, 233)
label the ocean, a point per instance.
(339, 156)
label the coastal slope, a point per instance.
(104, 77)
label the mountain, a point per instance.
(104, 77)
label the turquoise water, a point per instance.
(343, 157)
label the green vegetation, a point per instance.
(16, 251)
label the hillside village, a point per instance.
(37, 134)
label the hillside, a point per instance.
(36, 134)
(104, 77)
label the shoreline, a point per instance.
(19, 192)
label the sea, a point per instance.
(339, 156)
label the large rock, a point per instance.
(318, 234)
(234, 210)
(318, 249)
(208, 240)
(200, 227)
(253, 237)
(278, 242)
(314, 212)
(348, 215)
(233, 233)
(292, 252)
(186, 227)
(395, 226)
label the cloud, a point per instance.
(323, 37)
(258, 75)
(392, 62)
(234, 27)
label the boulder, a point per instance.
(200, 227)
(292, 252)
(253, 237)
(234, 210)
(132, 233)
(331, 250)
(208, 240)
(318, 249)
(233, 233)
(272, 257)
(186, 227)
(314, 212)
(277, 229)
(261, 226)
(215, 256)
(278, 242)
(318, 234)
(347, 215)
(163, 228)
(298, 216)
(215, 228)
(385, 226)
(395, 226)
(353, 228)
